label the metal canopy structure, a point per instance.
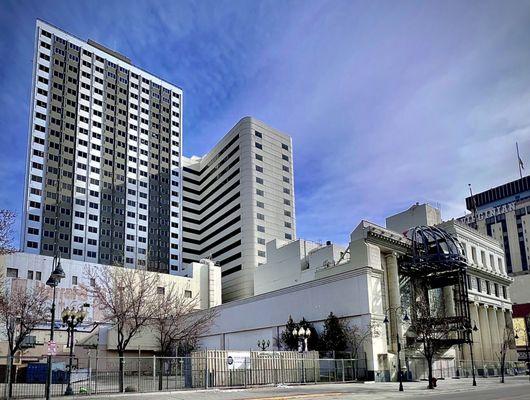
(433, 251)
(436, 271)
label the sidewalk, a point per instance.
(360, 391)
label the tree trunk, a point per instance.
(503, 361)
(9, 374)
(120, 378)
(429, 362)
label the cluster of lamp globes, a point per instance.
(301, 332)
(73, 314)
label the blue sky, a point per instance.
(388, 103)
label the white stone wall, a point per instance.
(293, 263)
(204, 280)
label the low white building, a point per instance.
(359, 284)
(203, 283)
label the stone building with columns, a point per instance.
(361, 283)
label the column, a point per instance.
(466, 358)
(394, 298)
(449, 301)
(477, 342)
(502, 323)
(496, 337)
(449, 306)
(508, 322)
(485, 334)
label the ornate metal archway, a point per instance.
(437, 261)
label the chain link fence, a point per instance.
(417, 370)
(100, 375)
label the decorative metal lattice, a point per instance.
(437, 260)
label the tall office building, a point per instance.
(503, 213)
(104, 157)
(236, 198)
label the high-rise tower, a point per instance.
(104, 157)
(236, 198)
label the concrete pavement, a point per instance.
(516, 388)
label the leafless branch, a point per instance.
(22, 308)
(356, 336)
(176, 318)
(7, 220)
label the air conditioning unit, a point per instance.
(28, 342)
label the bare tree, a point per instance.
(7, 220)
(508, 342)
(356, 336)
(22, 308)
(430, 328)
(176, 321)
(126, 297)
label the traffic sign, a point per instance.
(52, 347)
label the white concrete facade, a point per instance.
(236, 198)
(281, 269)
(417, 215)
(203, 280)
(358, 286)
(26, 269)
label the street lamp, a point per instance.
(54, 280)
(469, 330)
(387, 321)
(302, 335)
(72, 318)
(264, 345)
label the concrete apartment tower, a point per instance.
(104, 157)
(236, 198)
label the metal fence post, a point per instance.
(206, 377)
(89, 373)
(154, 373)
(176, 360)
(282, 370)
(343, 378)
(138, 364)
(245, 378)
(315, 360)
(97, 373)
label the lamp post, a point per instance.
(302, 335)
(527, 339)
(387, 321)
(54, 280)
(470, 331)
(72, 318)
(264, 345)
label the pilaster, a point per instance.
(477, 341)
(394, 298)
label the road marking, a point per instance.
(299, 396)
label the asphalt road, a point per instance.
(516, 388)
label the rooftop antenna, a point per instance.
(519, 161)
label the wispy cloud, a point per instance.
(388, 103)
